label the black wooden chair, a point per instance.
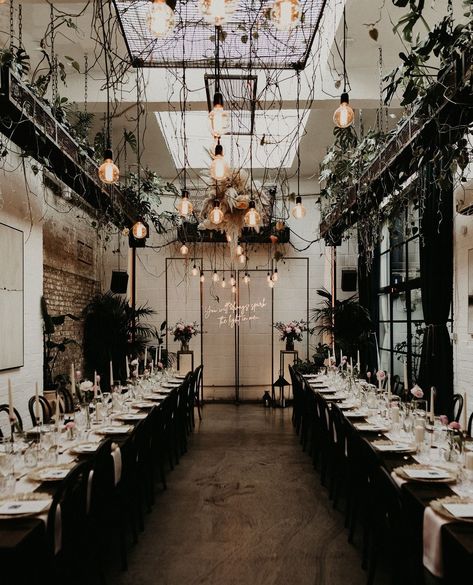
(470, 424)
(5, 424)
(46, 412)
(66, 403)
(457, 406)
(197, 384)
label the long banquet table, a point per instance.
(23, 543)
(457, 537)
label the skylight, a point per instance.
(193, 40)
(274, 143)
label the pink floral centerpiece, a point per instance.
(184, 332)
(291, 332)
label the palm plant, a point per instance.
(112, 331)
(348, 322)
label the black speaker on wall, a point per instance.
(119, 282)
(349, 278)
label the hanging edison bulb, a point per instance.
(195, 272)
(252, 217)
(286, 14)
(275, 276)
(185, 207)
(234, 289)
(246, 278)
(229, 238)
(232, 280)
(239, 250)
(218, 166)
(160, 19)
(298, 211)
(184, 250)
(268, 276)
(271, 284)
(242, 259)
(202, 276)
(216, 12)
(223, 283)
(139, 230)
(216, 215)
(344, 114)
(215, 276)
(108, 171)
(218, 117)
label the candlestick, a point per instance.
(112, 378)
(73, 380)
(11, 411)
(146, 357)
(159, 353)
(156, 357)
(432, 399)
(127, 368)
(341, 356)
(58, 411)
(351, 365)
(95, 384)
(406, 383)
(36, 404)
(358, 359)
(389, 387)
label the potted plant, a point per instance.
(109, 322)
(52, 348)
(291, 332)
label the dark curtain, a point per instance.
(436, 274)
(368, 284)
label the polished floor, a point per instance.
(243, 507)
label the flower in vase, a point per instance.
(86, 385)
(70, 425)
(368, 375)
(380, 375)
(134, 362)
(417, 392)
(455, 426)
(443, 419)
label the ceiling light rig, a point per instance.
(286, 14)
(160, 19)
(344, 115)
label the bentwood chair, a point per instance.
(470, 424)
(46, 412)
(5, 424)
(457, 406)
(197, 384)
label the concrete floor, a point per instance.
(244, 507)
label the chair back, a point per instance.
(5, 424)
(66, 403)
(457, 406)
(46, 412)
(470, 424)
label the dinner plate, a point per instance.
(390, 447)
(169, 385)
(84, 448)
(114, 430)
(143, 405)
(23, 504)
(323, 390)
(457, 508)
(425, 473)
(130, 416)
(50, 473)
(356, 414)
(370, 428)
(156, 397)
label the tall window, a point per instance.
(400, 305)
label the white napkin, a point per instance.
(460, 510)
(393, 447)
(399, 480)
(432, 541)
(427, 473)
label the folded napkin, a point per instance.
(432, 541)
(398, 480)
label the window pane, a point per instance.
(413, 259)
(398, 264)
(417, 313)
(400, 337)
(400, 306)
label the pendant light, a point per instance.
(275, 276)
(184, 250)
(216, 12)
(202, 276)
(195, 272)
(246, 278)
(218, 117)
(234, 289)
(268, 276)
(218, 166)
(215, 276)
(344, 114)
(108, 170)
(232, 280)
(139, 230)
(185, 207)
(298, 211)
(223, 283)
(216, 215)
(242, 258)
(239, 250)
(286, 14)
(160, 19)
(252, 217)
(271, 284)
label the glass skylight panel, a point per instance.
(274, 144)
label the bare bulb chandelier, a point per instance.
(160, 19)
(184, 206)
(216, 12)
(286, 14)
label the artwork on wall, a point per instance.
(11, 298)
(470, 292)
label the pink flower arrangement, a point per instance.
(455, 426)
(380, 375)
(443, 419)
(417, 392)
(70, 425)
(184, 332)
(292, 331)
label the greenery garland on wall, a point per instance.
(421, 80)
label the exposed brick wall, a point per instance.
(68, 293)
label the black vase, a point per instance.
(289, 345)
